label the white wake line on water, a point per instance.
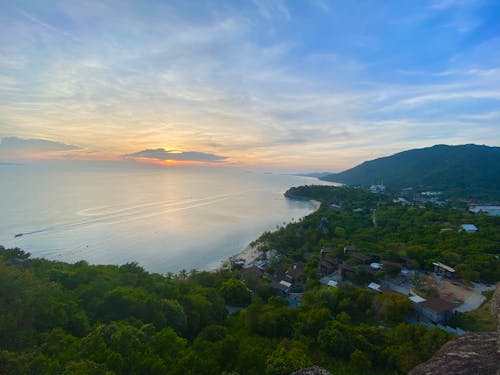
(133, 213)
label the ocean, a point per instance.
(164, 218)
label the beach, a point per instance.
(250, 254)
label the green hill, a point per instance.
(468, 171)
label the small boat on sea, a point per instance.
(18, 235)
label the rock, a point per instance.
(474, 353)
(315, 370)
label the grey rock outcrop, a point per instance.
(474, 353)
(315, 370)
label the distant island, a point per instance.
(466, 171)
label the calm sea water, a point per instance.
(166, 219)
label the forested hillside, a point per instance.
(467, 171)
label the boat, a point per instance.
(18, 235)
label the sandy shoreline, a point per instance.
(250, 254)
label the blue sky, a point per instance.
(289, 85)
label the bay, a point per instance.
(166, 219)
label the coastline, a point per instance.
(251, 253)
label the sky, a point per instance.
(286, 85)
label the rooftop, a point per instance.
(417, 299)
(438, 305)
(444, 266)
(469, 227)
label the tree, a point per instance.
(235, 292)
(288, 357)
(392, 306)
(360, 361)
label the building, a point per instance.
(436, 310)
(361, 258)
(375, 287)
(469, 228)
(251, 274)
(416, 299)
(294, 274)
(281, 288)
(332, 283)
(350, 248)
(377, 189)
(327, 265)
(443, 270)
(347, 271)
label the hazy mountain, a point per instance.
(467, 170)
(314, 174)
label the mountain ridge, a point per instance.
(464, 170)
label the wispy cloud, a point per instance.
(256, 82)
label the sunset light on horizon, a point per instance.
(278, 85)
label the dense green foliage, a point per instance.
(466, 171)
(60, 318)
(380, 227)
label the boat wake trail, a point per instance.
(109, 215)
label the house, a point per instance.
(443, 270)
(324, 252)
(328, 266)
(251, 274)
(362, 258)
(375, 266)
(263, 265)
(350, 248)
(336, 206)
(469, 228)
(294, 274)
(436, 310)
(416, 299)
(347, 271)
(281, 288)
(375, 287)
(332, 283)
(377, 189)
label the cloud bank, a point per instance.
(162, 154)
(15, 146)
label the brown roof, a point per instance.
(350, 248)
(252, 272)
(296, 270)
(277, 285)
(390, 263)
(438, 305)
(349, 268)
(329, 262)
(361, 257)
